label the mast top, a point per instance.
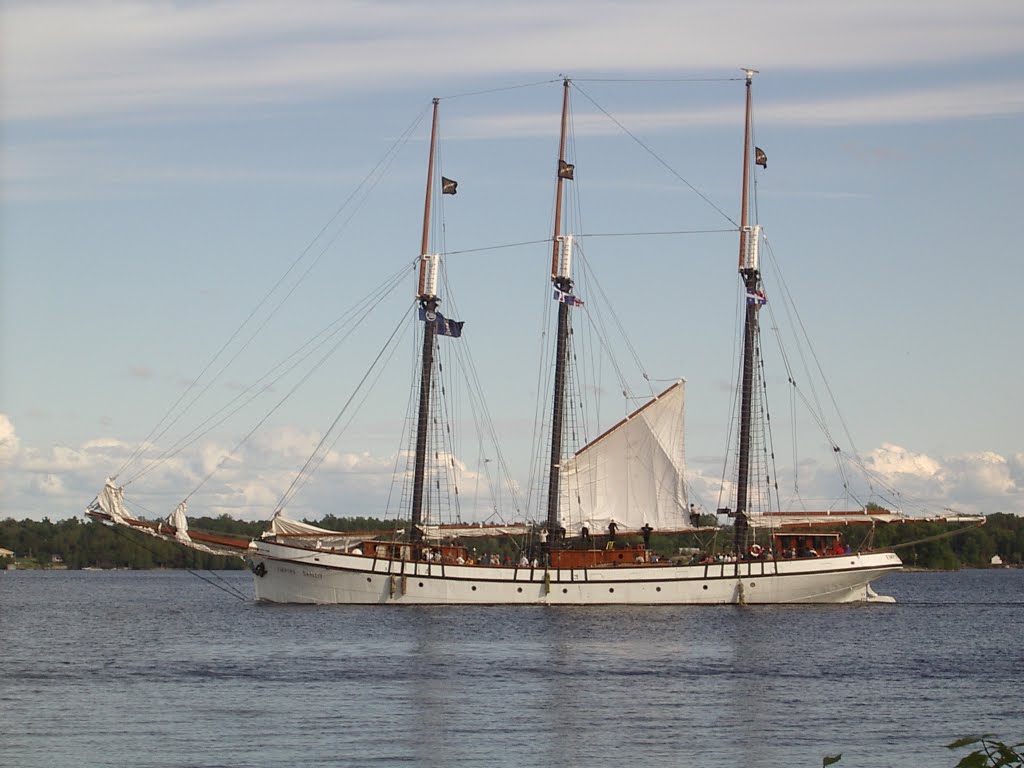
(750, 73)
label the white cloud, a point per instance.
(987, 474)
(917, 483)
(59, 482)
(894, 463)
(10, 444)
(70, 58)
(977, 483)
(49, 485)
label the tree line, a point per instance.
(75, 544)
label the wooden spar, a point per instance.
(428, 303)
(562, 283)
(558, 188)
(744, 221)
(425, 241)
(751, 277)
(169, 532)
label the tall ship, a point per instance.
(599, 504)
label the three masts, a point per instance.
(554, 531)
(296, 562)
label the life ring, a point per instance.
(755, 550)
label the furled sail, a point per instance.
(110, 502)
(304, 534)
(470, 531)
(833, 519)
(632, 474)
(109, 507)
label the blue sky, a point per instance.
(163, 164)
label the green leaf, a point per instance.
(831, 759)
(973, 760)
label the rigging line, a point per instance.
(732, 422)
(288, 491)
(280, 303)
(407, 439)
(478, 403)
(575, 372)
(657, 79)
(874, 475)
(541, 410)
(731, 230)
(769, 440)
(657, 157)
(591, 277)
(497, 247)
(936, 537)
(262, 421)
(816, 411)
(444, 447)
(366, 393)
(604, 338)
(360, 310)
(500, 89)
(227, 587)
(231, 589)
(377, 171)
(794, 392)
(807, 339)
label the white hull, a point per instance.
(289, 574)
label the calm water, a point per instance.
(161, 669)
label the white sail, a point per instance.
(110, 502)
(632, 474)
(178, 519)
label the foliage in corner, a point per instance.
(989, 754)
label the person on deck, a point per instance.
(612, 529)
(646, 533)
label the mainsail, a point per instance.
(633, 473)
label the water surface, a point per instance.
(161, 669)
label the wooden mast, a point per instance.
(750, 274)
(562, 280)
(428, 299)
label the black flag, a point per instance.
(565, 170)
(449, 186)
(444, 326)
(760, 158)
